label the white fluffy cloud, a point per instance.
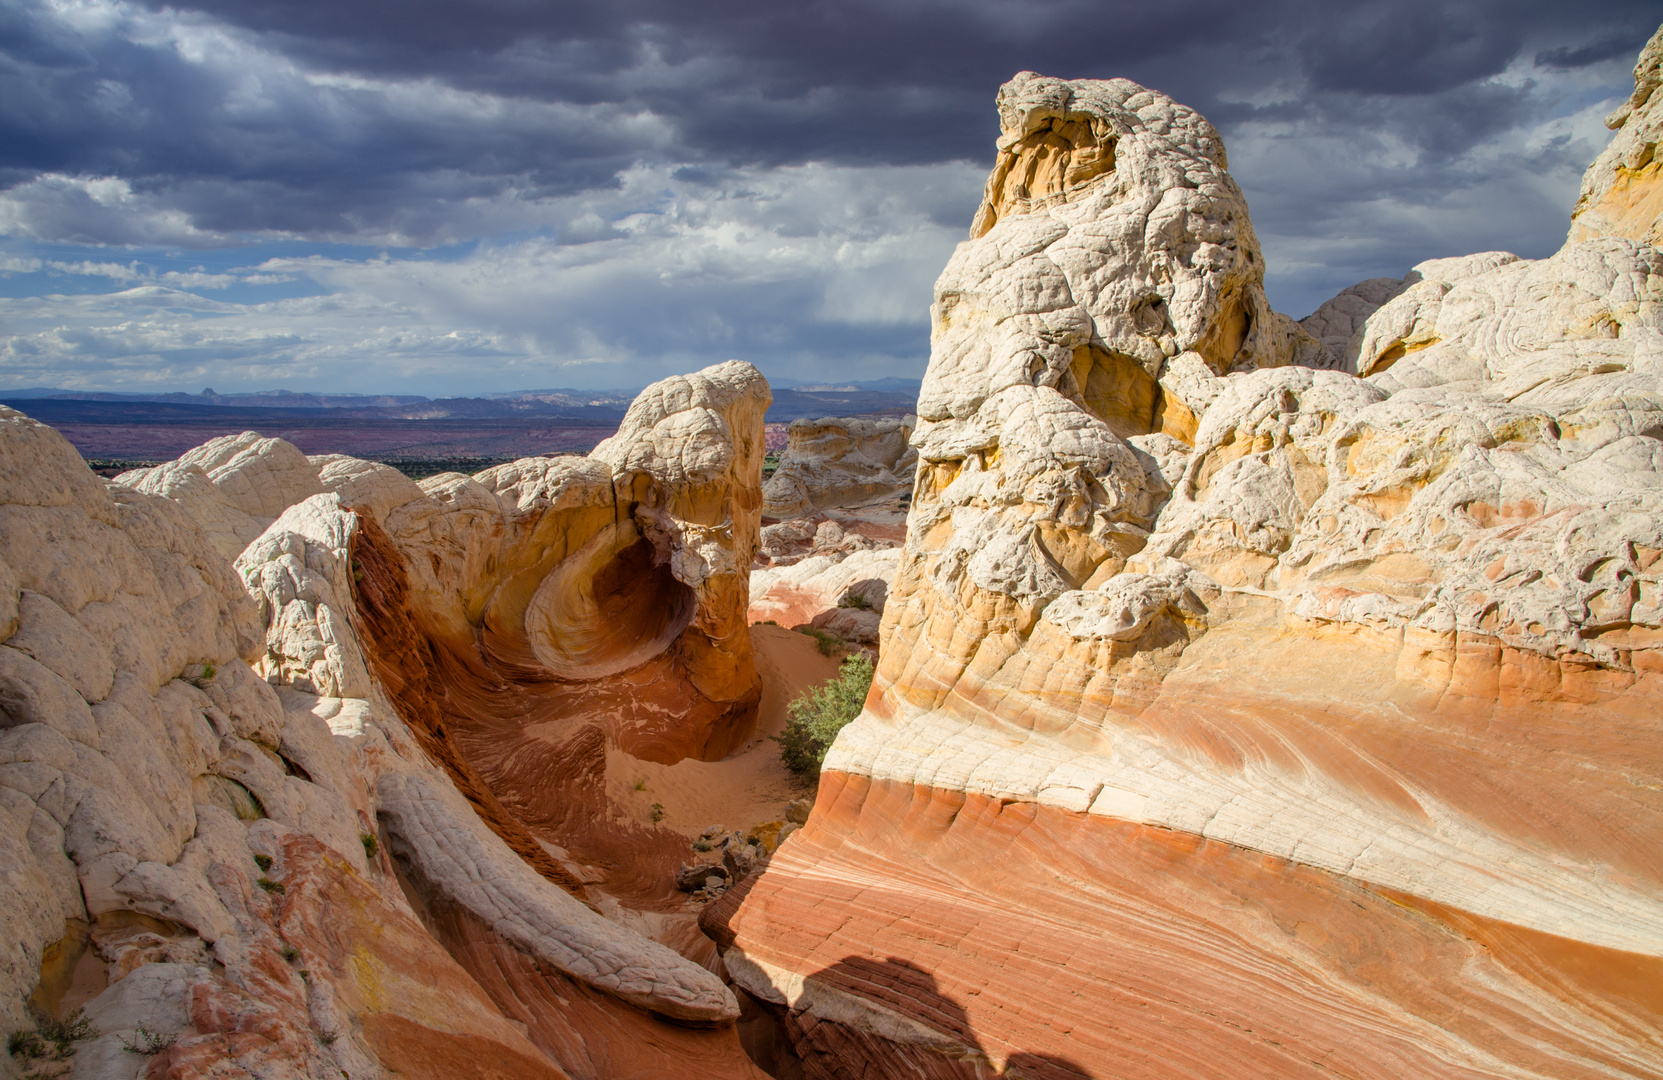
(806, 271)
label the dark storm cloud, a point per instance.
(850, 81)
(732, 82)
(654, 182)
(248, 147)
(1617, 46)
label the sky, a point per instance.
(424, 197)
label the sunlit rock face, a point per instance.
(1112, 261)
(1622, 194)
(258, 808)
(1254, 699)
(567, 572)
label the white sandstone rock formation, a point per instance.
(813, 590)
(837, 463)
(1375, 601)
(234, 486)
(840, 493)
(1111, 242)
(146, 769)
(1493, 468)
(1621, 191)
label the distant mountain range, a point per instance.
(889, 395)
(157, 427)
(391, 406)
(890, 385)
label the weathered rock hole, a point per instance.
(611, 607)
(1116, 389)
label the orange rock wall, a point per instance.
(1040, 943)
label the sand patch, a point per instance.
(749, 786)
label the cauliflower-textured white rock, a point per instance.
(234, 485)
(1621, 191)
(1201, 615)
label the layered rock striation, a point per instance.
(338, 807)
(1256, 697)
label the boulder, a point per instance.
(840, 463)
(696, 877)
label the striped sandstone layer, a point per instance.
(1254, 699)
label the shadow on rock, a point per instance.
(866, 1018)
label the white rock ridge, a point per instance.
(147, 769)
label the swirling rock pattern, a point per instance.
(248, 808)
(1253, 698)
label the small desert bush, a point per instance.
(62, 1035)
(818, 715)
(829, 642)
(148, 1043)
(852, 599)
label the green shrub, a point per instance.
(818, 715)
(829, 642)
(54, 1039)
(852, 599)
(23, 1043)
(147, 1042)
(372, 847)
(71, 1029)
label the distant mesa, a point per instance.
(159, 427)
